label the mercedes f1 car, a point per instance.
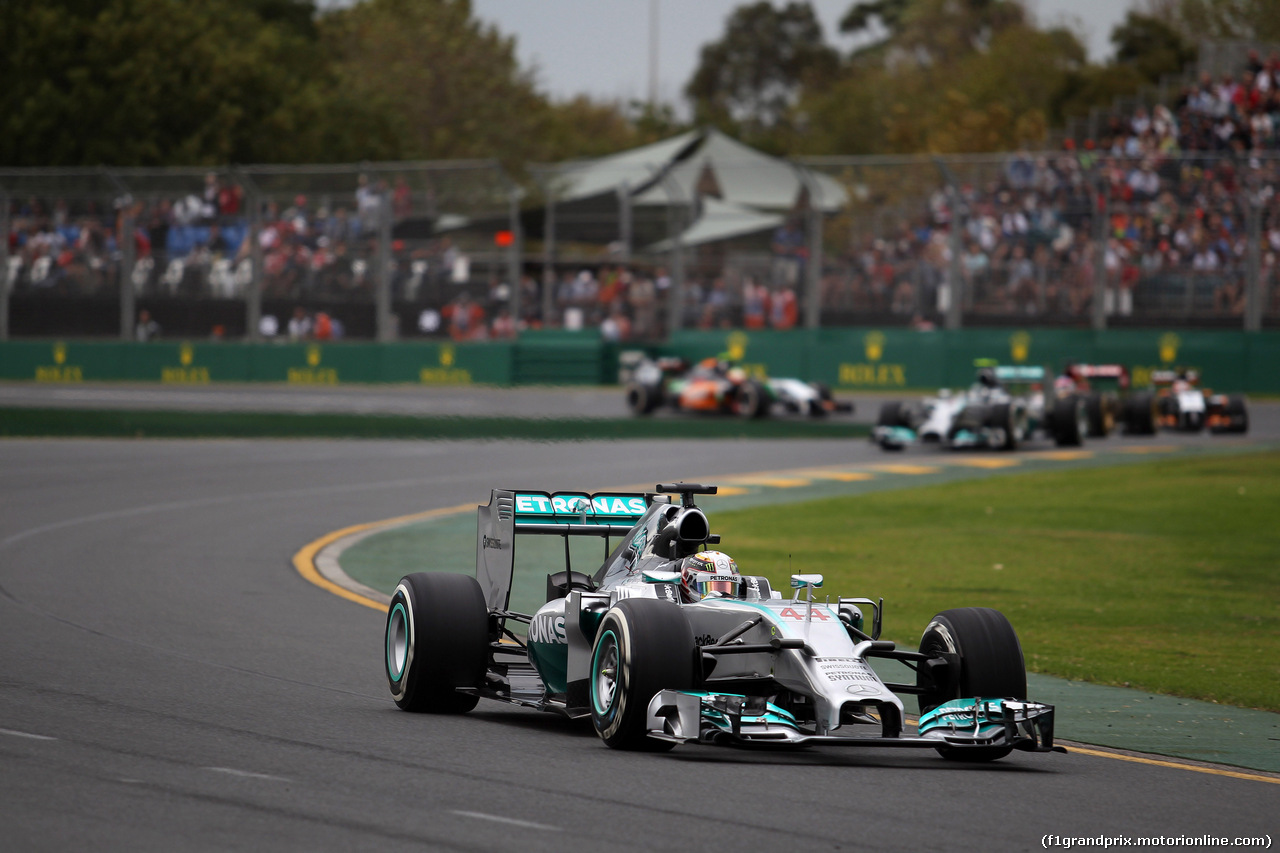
(722, 387)
(987, 415)
(666, 643)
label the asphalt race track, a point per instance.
(168, 681)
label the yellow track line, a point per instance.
(305, 560)
(1177, 765)
(906, 469)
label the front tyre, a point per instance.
(643, 399)
(989, 661)
(642, 646)
(1006, 425)
(437, 640)
(1234, 417)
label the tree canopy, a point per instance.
(747, 83)
(199, 82)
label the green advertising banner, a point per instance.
(867, 359)
(853, 359)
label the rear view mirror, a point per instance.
(801, 581)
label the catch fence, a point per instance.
(643, 244)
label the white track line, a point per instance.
(12, 733)
(528, 824)
(231, 771)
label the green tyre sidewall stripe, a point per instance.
(392, 674)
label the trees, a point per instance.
(202, 82)
(1222, 19)
(748, 82)
(1151, 47)
(946, 77)
(148, 82)
(430, 82)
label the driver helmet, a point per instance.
(711, 573)
(987, 378)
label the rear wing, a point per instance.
(1016, 373)
(1019, 373)
(1117, 372)
(580, 513)
(1168, 377)
(512, 512)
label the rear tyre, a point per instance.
(642, 646)
(989, 662)
(437, 640)
(820, 407)
(1141, 415)
(1100, 414)
(751, 400)
(1070, 421)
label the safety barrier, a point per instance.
(848, 359)
(891, 359)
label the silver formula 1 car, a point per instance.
(742, 665)
(988, 415)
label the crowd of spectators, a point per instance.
(1155, 215)
(198, 244)
(1173, 186)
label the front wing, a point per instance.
(728, 719)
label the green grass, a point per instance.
(163, 424)
(1162, 576)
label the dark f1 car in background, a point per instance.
(1181, 405)
(721, 387)
(1109, 399)
(651, 666)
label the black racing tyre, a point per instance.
(990, 667)
(1070, 421)
(1004, 417)
(892, 414)
(751, 400)
(643, 399)
(1100, 414)
(437, 640)
(820, 407)
(1236, 414)
(972, 418)
(1141, 414)
(643, 646)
